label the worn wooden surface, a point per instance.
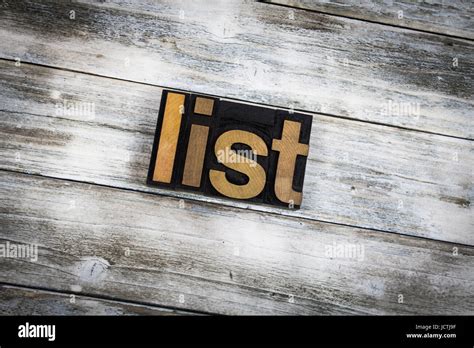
(16, 300)
(448, 17)
(397, 184)
(357, 173)
(224, 260)
(253, 51)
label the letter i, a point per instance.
(168, 138)
(196, 151)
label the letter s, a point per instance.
(247, 166)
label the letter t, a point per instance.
(289, 148)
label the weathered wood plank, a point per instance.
(198, 256)
(453, 17)
(359, 174)
(254, 51)
(15, 300)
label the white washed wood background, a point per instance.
(390, 168)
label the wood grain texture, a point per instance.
(195, 155)
(169, 136)
(453, 17)
(16, 300)
(202, 257)
(359, 174)
(204, 106)
(288, 148)
(255, 52)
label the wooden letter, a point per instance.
(189, 137)
(204, 106)
(254, 171)
(289, 147)
(195, 155)
(168, 138)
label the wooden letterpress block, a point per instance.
(200, 122)
(245, 134)
(229, 149)
(204, 106)
(290, 147)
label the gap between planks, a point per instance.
(316, 83)
(373, 21)
(130, 307)
(348, 118)
(273, 213)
